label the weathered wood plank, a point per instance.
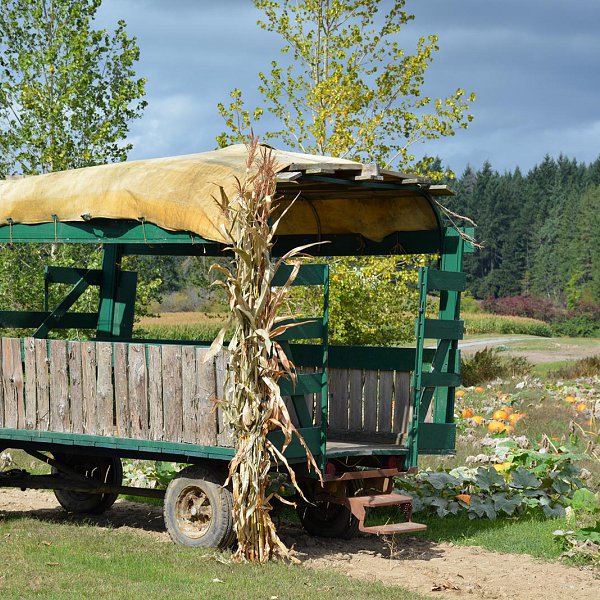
(189, 393)
(172, 393)
(123, 415)
(75, 386)
(384, 412)
(104, 389)
(338, 398)
(60, 417)
(206, 423)
(224, 436)
(13, 384)
(370, 401)
(42, 385)
(30, 383)
(155, 393)
(138, 391)
(356, 399)
(88, 384)
(401, 402)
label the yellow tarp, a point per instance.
(177, 193)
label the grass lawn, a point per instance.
(63, 561)
(531, 536)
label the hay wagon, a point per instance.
(82, 406)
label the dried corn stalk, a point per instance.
(253, 405)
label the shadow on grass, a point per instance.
(142, 516)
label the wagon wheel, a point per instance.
(99, 468)
(198, 509)
(328, 519)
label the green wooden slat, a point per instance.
(107, 231)
(446, 280)
(125, 305)
(312, 436)
(435, 438)
(437, 365)
(307, 383)
(429, 380)
(72, 275)
(359, 357)
(111, 255)
(61, 309)
(307, 275)
(307, 329)
(14, 319)
(443, 330)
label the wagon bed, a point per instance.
(83, 405)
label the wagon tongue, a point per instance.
(358, 506)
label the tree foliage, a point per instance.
(540, 231)
(68, 93)
(345, 86)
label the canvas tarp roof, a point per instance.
(177, 193)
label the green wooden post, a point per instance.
(451, 260)
(413, 434)
(325, 366)
(109, 285)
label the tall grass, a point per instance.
(199, 332)
(487, 323)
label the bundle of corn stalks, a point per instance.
(252, 403)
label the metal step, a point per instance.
(392, 528)
(380, 500)
(359, 504)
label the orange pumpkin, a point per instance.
(582, 407)
(478, 420)
(508, 429)
(500, 415)
(479, 390)
(570, 399)
(496, 427)
(467, 413)
(459, 393)
(466, 498)
(507, 409)
(512, 419)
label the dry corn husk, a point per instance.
(252, 403)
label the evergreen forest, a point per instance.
(540, 231)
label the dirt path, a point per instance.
(433, 569)
(536, 349)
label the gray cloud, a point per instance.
(532, 63)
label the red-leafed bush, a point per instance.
(525, 306)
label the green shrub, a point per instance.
(584, 367)
(525, 482)
(488, 364)
(468, 304)
(581, 326)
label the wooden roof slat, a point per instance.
(286, 176)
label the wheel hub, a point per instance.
(193, 512)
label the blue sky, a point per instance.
(534, 65)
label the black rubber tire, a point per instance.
(327, 519)
(203, 484)
(102, 468)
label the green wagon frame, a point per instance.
(365, 413)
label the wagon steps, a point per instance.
(360, 505)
